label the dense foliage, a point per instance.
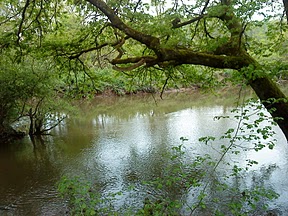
(52, 50)
(130, 46)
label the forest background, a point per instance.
(55, 49)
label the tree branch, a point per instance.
(76, 55)
(187, 56)
(133, 60)
(22, 21)
(53, 126)
(132, 67)
(206, 30)
(179, 56)
(231, 21)
(149, 40)
(179, 25)
(10, 18)
(285, 3)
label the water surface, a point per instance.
(118, 141)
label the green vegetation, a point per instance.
(27, 92)
(87, 47)
(52, 51)
(193, 184)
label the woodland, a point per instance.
(53, 53)
(58, 49)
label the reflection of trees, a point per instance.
(149, 139)
(29, 176)
(128, 107)
(152, 163)
(143, 140)
(251, 189)
(75, 134)
(42, 154)
(44, 164)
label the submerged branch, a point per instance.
(53, 126)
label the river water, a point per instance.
(120, 140)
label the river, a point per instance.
(117, 141)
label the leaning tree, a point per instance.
(231, 51)
(219, 34)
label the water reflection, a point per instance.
(119, 143)
(28, 172)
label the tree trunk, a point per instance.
(285, 3)
(266, 89)
(38, 126)
(235, 57)
(31, 117)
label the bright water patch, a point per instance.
(122, 146)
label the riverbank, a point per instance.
(220, 88)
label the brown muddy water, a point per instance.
(119, 140)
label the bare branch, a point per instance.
(179, 25)
(135, 9)
(77, 55)
(38, 105)
(241, 35)
(206, 30)
(164, 86)
(205, 7)
(54, 125)
(84, 69)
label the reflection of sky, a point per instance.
(132, 147)
(142, 133)
(115, 151)
(195, 123)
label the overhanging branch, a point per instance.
(76, 55)
(147, 59)
(185, 56)
(132, 67)
(23, 15)
(177, 56)
(285, 3)
(179, 25)
(149, 40)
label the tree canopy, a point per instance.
(132, 35)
